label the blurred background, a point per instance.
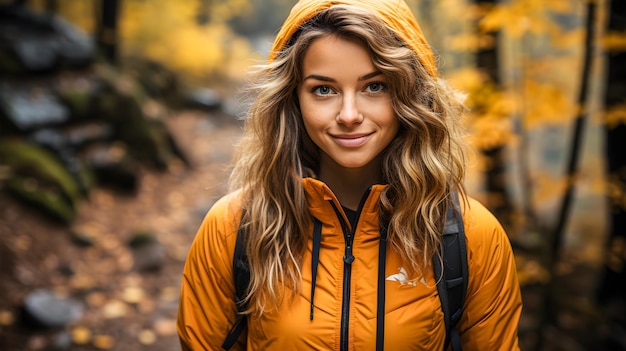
(118, 119)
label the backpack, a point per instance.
(451, 281)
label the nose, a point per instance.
(349, 113)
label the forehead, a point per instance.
(335, 54)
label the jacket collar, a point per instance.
(321, 200)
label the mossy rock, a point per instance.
(112, 165)
(121, 103)
(47, 201)
(149, 140)
(141, 238)
(28, 161)
(79, 102)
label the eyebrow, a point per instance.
(328, 79)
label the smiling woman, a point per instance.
(351, 158)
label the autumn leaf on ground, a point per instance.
(147, 337)
(81, 335)
(103, 342)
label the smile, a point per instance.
(355, 140)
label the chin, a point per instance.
(351, 164)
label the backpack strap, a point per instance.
(241, 276)
(452, 282)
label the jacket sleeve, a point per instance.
(207, 309)
(493, 303)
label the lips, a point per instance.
(351, 140)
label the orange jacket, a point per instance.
(414, 319)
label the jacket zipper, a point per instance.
(348, 258)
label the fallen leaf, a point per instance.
(133, 295)
(165, 327)
(103, 342)
(6, 318)
(81, 335)
(147, 337)
(114, 309)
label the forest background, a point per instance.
(545, 83)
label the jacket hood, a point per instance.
(396, 14)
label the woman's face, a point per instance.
(345, 103)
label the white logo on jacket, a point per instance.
(403, 278)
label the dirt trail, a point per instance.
(124, 309)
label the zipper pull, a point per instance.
(348, 257)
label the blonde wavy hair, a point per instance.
(422, 166)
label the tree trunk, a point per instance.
(106, 30)
(612, 286)
(498, 199)
(576, 143)
(52, 6)
(553, 292)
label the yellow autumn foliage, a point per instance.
(491, 109)
(519, 17)
(615, 116)
(167, 32)
(614, 41)
(547, 186)
(471, 42)
(546, 104)
(572, 38)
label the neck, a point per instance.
(349, 184)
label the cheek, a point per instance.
(315, 116)
(309, 122)
(388, 119)
(395, 125)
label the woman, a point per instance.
(350, 131)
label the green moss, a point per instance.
(78, 101)
(46, 200)
(28, 160)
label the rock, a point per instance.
(62, 341)
(66, 270)
(25, 109)
(156, 79)
(204, 99)
(58, 143)
(45, 309)
(83, 236)
(113, 166)
(96, 131)
(149, 258)
(39, 179)
(148, 252)
(80, 124)
(43, 42)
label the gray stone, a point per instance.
(46, 309)
(28, 110)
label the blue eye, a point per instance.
(376, 87)
(322, 90)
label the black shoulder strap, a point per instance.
(452, 282)
(241, 276)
